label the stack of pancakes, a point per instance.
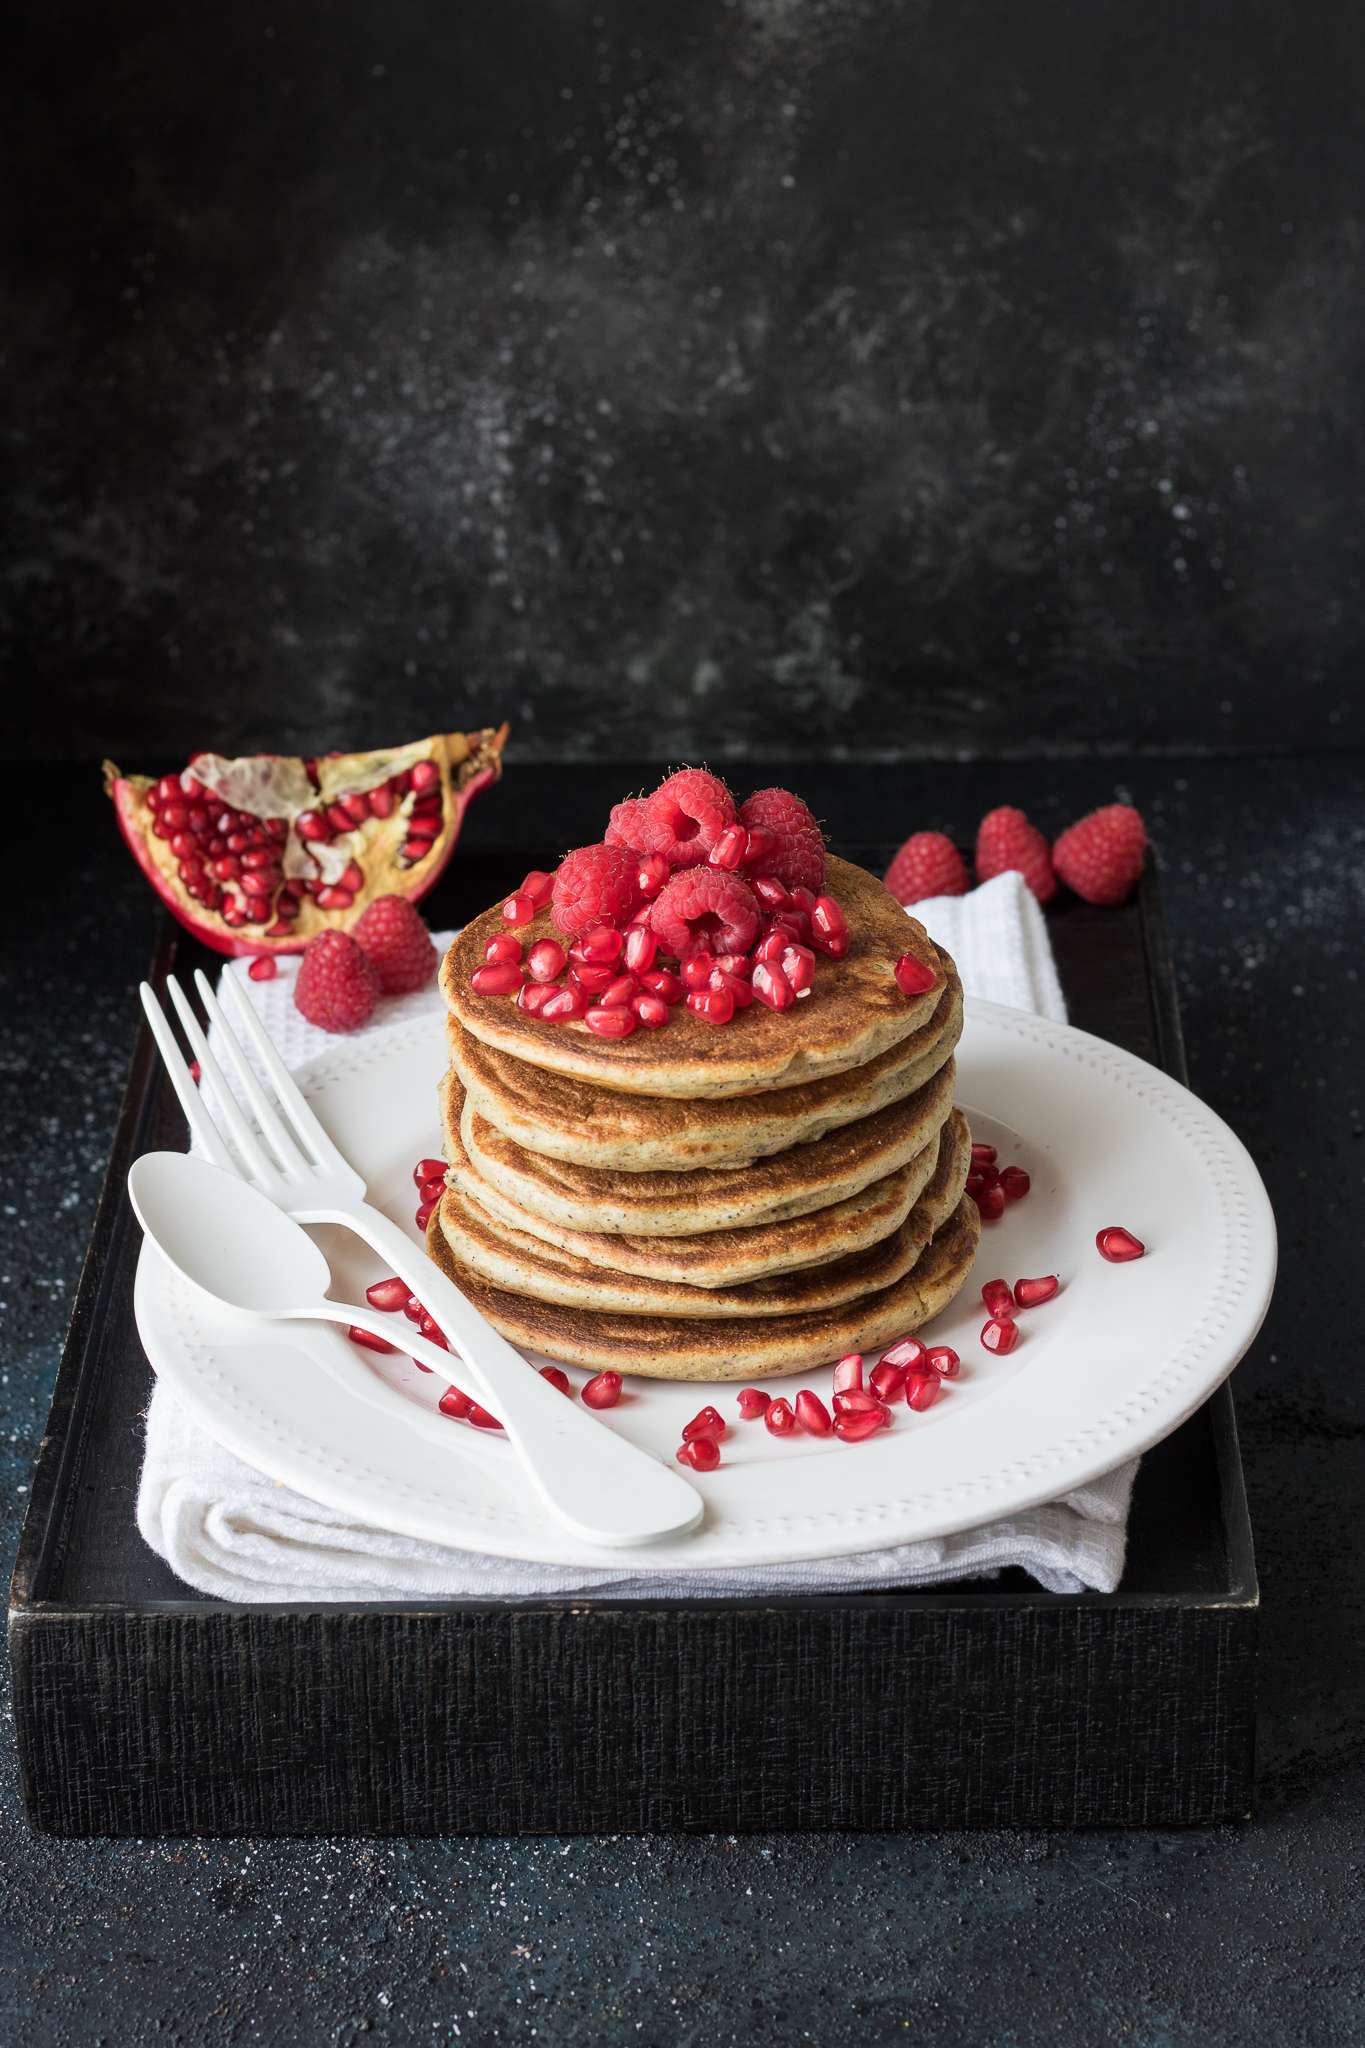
(706, 1202)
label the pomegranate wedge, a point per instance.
(260, 854)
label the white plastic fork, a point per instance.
(600, 1485)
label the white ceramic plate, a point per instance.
(1111, 1365)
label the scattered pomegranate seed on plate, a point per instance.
(998, 1298)
(1031, 1293)
(708, 1421)
(1000, 1334)
(991, 1203)
(455, 1403)
(263, 969)
(887, 1381)
(1014, 1183)
(848, 1372)
(922, 1389)
(943, 1361)
(855, 1428)
(701, 1453)
(753, 1402)
(812, 1413)
(368, 1339)
(557, 1377)
(389, 1295)
(1119, 1245)
(603, 1390)
(779, 1418)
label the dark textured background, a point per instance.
(789, 375)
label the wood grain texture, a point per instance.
(142, 1709)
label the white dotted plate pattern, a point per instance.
(1113, 1364)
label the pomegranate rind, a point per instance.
(468, 763)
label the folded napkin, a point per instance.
(227, 1530)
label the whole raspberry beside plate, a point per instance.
(1005, 840)
(337, 985)
(798, 855)
(686, 816)
(595, 885)
(1101, 856)
(705, 906)
(398, 943)
(927, 865)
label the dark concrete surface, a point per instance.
(1246, 1934)
(843, 368)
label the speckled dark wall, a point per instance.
(678, 378)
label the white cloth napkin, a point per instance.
(227, 1530)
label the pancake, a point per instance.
(854, 1012)
(788, 1184)
(514, 1260)
(601, 1127)
(733, 1348)
(721, 1258)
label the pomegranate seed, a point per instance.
(651, 1010)
(856, 1401)
(481, 1418)
(668, 987)
(611, 1023)
(753, 1402)
(453, 1402)
(413, 1309)
(427, 1169)
(652, 874)
(260, 882)
(812, 1413)
(834, 945)
(432, 1330)
(998, 1299)
(983, 1155)
(641, 949)
(798, 964)
(415, 850)
(425, 775)
(991, 1203)
(943, 1361)
(194, 1072)
(503, 978)
(855, 1429)
(907, 1354)
(433, 1189)
(1000, 1334)
(1032, 1293)
(389, 1295)
(759, 846)
(702, 1453)
(312, 825)
(848, 1373)
(534, 995)
(564, 1005)
(922, 1389)
(1118, 1245)
(506, 947)
(1015, 1183)
(827, 918)
(716, 1005)
(914, 977)
(696, 970)
(804, 899)
(538, 886)
(546, 960)
(518, 909)
(335, 817)
(423, 1215)
(227, 867)
(334, 899)
(730, 849)
(356, 805)
(770, 892)
(267, 857)
(603, 945)
(426, 810)
(707, 1421)
(619, 993)
(779, 1418)
(770, 948)
(368, 1339)
(557, 1377)
(736, 986)
(593, 980)
(168, 790)
(381, 801)
(263, 968)
(184, 846)
(771, 987)
(985, 1175)
(887, 1380)
(603, 1390)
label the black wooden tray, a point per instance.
(144, 1709)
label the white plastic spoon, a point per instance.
(232, 1244)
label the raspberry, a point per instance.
(628, 825)
(337, 985)
(705, 904)
(595, 885)
(798, 858)
(686, 816)
(927, 865)
(1101, 856)
(400, 947)
(1005, 839)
